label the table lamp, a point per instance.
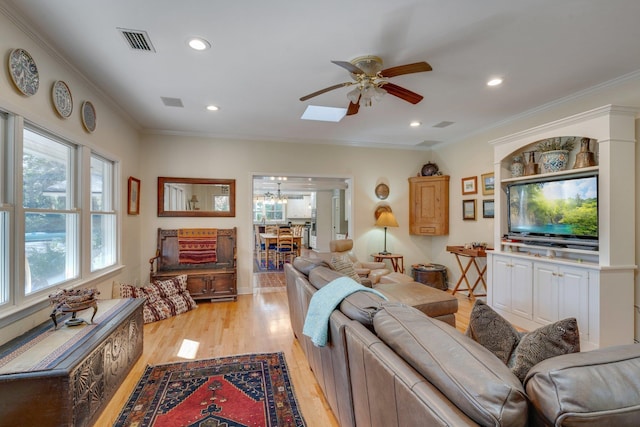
(386, 219)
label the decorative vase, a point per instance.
(584, 158)
(554, 161)
(517, 167)
(530, 166)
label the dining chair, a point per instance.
(285, 249)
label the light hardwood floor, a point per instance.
(256, 323)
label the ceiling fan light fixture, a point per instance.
(354, 95)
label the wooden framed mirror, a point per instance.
(196, 197)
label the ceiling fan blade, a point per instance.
(326, 89)
(402, 93)
(417, 67)
(353, 108)
(349, 67)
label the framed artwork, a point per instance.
(133, 201)
(470, 185)
(487, 208)
(469, 209)
(488, 183)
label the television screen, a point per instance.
(564, 208)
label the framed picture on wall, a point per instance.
(469, 209)
(133, 201)
(488, 183)
(487, 208)
(470, 185)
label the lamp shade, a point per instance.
(386, 219)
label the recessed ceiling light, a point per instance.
(213, 107)
(198, 43)
(415, 124)
(494, 82)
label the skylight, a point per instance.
(324, 114)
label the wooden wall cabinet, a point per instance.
(429, 205)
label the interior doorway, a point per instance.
(318, 206)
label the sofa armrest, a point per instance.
(371, 265)
(594, 388)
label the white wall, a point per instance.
(114, 137)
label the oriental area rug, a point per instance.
(246, 390)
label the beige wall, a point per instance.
(114, 137)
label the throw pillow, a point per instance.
(561, 337)
(492, 331)
(521, 351)
(343, 265)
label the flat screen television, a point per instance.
(561, 211)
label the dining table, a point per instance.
(272, 239)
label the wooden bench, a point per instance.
(213, 281)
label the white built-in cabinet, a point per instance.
(532, 286)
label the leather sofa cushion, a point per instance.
(305, 265)
(432, 302)
(469, 375)
(594, 388)
(362, 307)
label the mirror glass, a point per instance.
(196, 197)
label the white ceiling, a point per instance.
(265, 55)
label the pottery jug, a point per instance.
(530, 166)
(584, 158)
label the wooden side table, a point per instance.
(397, 261)
(472, 255)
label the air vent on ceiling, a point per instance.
(442, 124)
(171, 102)
(137, 39)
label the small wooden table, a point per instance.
(397, 261)
(472, 254)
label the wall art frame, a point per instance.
(488, 183)
(470, 185)
(469, 210)
(488, 208)
(133, 196)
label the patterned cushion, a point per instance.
(163, 298)
(521, 351)
(342, 264)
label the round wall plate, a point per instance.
(382, 191)
(62, 100)
(89, 116)
(24, 72)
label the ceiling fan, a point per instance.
(372, 82)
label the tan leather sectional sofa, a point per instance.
(388, 364)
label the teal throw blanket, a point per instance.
(322, 304)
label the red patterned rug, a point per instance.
(246, 390)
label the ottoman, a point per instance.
(432, 302)
(395, 278)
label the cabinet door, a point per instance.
(429, 205)
(501, 286)
(573, 296)
(197, 285)
(522, 288)
(545, 293)
(222, 285)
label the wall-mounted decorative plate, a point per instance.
(24, 72)
(89, 116)
(382, 191)
(62, 100)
